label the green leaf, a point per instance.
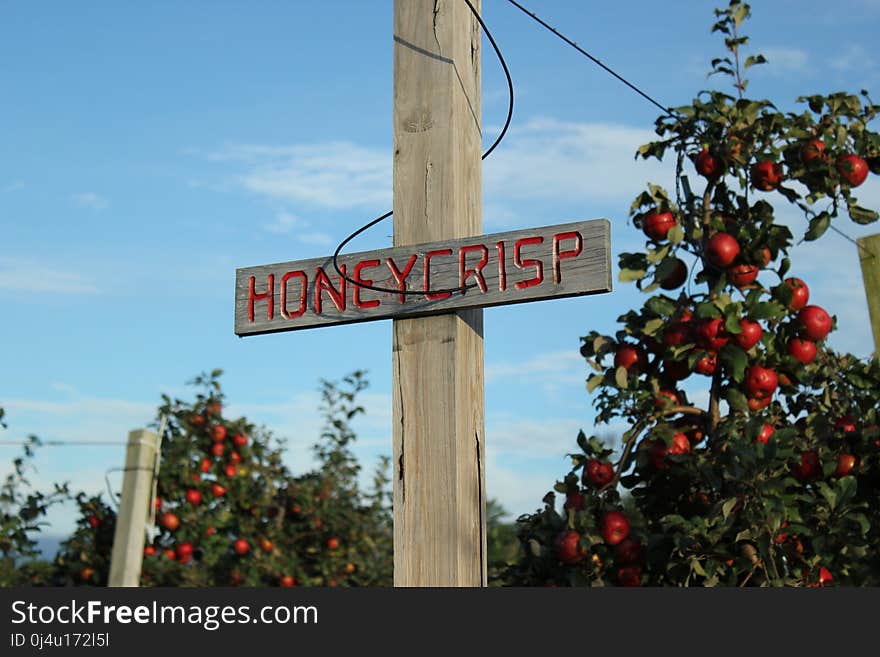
(594, 382)
(675, 234)
(621, 377)
(661, 305)
(736, 361)
(846, 489)
(737, 400)
(765, 310)
(653, 326)
(818, 225)
(829, 495)
(862, 215)
(727, 507)
(752, 60)
(629, 275)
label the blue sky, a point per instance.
(149, 149)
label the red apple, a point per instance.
(809, 468)
(630, 358)
(149, 551)
(234, 458)
(676, 277)
(800, 293)
(240, 440)
(614, 527)
(677, 333)
(666, 398)
(205, 465)
(722, 249)
(598, 473)
(760, 382)
(332, 543)
(846, 424)
(266, 545)
(193, 496)
(759, 404)
(170, 521)
(218, 433)
(656, 453)
(853, 169)
(676, 370)
(241, 546)
(86, 574)
(568, 547)
(183, 552)
(708, 165)
(845, 464)
(628, 551)
(218, 490)
(94, 522)
(750, 335)
(574, 500)
(812, 150)
(629, 576)
(680, 444)
(824, 576)
(766, 431)
(707, 364)
(197, 420)
(217, 449)
(168, 552)
(210, 531)
(286, 582)
(742, 275)
(230, 470)
(815, 323)
(711, 334)
(766, 175)
(656, 225)
(802, 350)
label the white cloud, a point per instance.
(551, 160)
(566, 365)
(332, 175)
(855, 57)
(19, 275)
(90, 200)
(284, 223)
(782, 60)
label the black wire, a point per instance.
(533, 16)
(489, 150)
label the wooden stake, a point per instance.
(128, 541)
(439, 449)
(869, 256)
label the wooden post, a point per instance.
(128, 541)
(869, 256)
(438, 408)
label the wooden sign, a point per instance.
(524, 265)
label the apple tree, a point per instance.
(229, 512)
(768, 472)
(22, 516)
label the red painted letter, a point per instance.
(465, 274)
(502, 267)
(400, 276)
(528, 262)
(371, 303)
(322, 283)
(562, 255)
(285, 313)
(268, 295)
(428, 256)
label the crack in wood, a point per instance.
(482, 526)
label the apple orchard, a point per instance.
(774, 481)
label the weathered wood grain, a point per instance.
(577, 262)
(438, 417)
(127, 555)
